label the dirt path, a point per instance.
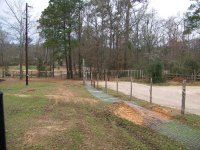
(163, 95)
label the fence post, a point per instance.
(2, 125)
(97, 80)
(195, 75)
(61, 74)
(142, 74)
(117, 83)
(84, 77)
(106, 84)
(192, 77)
(151, 84)
(91, 78)
(183, 98)
(131, 92)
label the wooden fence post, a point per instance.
(84, 72)
(183, 98)
(91, 78)
(2, 125)
(97, 80)
(151, 84)
(117, 83)
(195, 75)
(106, 84)
(131, 92)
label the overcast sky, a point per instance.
(165, 8)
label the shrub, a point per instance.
(156, 71)
(40, 67)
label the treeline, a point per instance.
(116, 35)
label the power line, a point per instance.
(12, 11)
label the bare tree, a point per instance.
(15, 23)
(3, 42)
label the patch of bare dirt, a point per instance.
(22, 95)
(124, 111)
(65, 98)
(31, 90)
(46, 129)
(139, 115)
(162, 111)
(63, 94)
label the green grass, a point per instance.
(19, 113)
(34, 88)
(85, 125)
(190, 120)
(12, 68)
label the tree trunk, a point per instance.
(79, 47)
(53, 61)
(127, 22)
(70, 56)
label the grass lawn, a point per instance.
(63, 115)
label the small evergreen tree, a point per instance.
(156, 71)
(40, 67)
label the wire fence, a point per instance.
(124, 86)
(34, 74)
(136, 84)
(187, 135)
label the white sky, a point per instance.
(168, 8)
(165, 8)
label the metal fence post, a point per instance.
(151, 84)
(183, 98)
(2, 125)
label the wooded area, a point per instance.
(108, 34)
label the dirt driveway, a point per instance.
(163, 95)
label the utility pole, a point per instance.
(26, 45)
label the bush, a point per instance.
(191, 65)
(156, 71)
(40, 67)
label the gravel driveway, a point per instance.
(170, 96)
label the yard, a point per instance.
(55, 114)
